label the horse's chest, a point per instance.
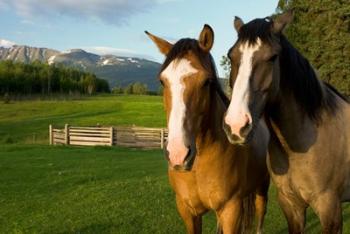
(294, 175)
(212, 196)
(214, 191)
(202, 191)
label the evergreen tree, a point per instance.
(20, 78)
(321, 32)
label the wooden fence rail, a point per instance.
(137, 137)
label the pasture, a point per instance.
(57, 189)
(98, 190)
(22, 121)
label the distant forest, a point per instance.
(40, 78)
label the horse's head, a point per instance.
(255, 74)
(186, 76)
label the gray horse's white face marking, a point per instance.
(238, 114)
(254, 76)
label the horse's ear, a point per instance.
(163, 45)
(238, 23)
(282, 20)
(206, 38)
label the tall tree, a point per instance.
(321, 32)
(225, 63)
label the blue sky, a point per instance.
(117, 26)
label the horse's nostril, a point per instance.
(227, 128)
(245, 130)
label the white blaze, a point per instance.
(175, 73)
(238, 111)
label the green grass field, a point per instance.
(47, 189)
(28, 121)
(57, 189)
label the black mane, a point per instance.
(182, 47)
(297, 75)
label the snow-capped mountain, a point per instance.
(116, 70)
(6, 43)
(26, 54)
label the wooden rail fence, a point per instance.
(137, 137)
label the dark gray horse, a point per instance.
(309, 159)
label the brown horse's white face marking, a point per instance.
(186, 80)
(174, 75)
(238, 115)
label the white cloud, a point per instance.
(3, 5)
(6, 43)
(102, 50)
(108, 11)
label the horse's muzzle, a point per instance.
(188, 162)
(233, 138)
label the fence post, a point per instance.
(66, 134)
(116, 135)
(111, 135)
(50, 135)
(162, 138)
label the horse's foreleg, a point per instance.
(329, 210)
(193, 222)
(230, 216)
(294, 212)
(261, 204)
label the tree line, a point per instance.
(40, 78)
(136, 88)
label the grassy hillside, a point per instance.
(47, 189)
(28, 121)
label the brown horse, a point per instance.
(205, 170)
(309, 158)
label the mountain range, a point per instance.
(117, 70)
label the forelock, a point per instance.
(180, 49)
(256, 29)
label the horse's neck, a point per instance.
(211, 129)
(293, 128)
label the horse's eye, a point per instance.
(273, 58)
